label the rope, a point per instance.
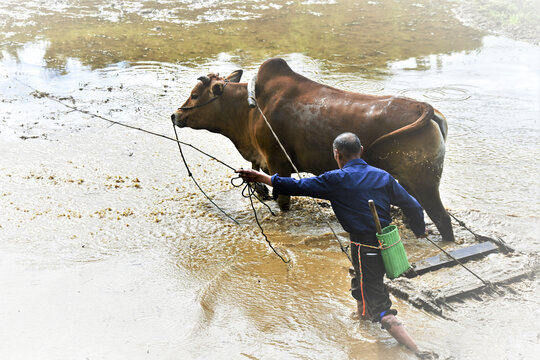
(249, 192)
(500, 242)
(86, 112)
(462, 224)
(299, 174)
(195, 181)
(246, 192)
(487, 283)
(380, 247)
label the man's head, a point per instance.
(347, 146)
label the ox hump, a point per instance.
(274, 67)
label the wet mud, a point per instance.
(108, 250)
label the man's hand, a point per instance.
(250, 175)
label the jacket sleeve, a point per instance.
(410, 206)
(318, 186)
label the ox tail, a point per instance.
(441, 121)
(427, 115)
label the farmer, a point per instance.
(349, 188)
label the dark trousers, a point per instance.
(376, 297)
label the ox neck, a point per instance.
(235, 120)
(234, 115)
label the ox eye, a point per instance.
(194, 96)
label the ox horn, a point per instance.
(204, 79)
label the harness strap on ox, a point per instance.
(252, 103)
(205, 103)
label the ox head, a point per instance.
(204, 103)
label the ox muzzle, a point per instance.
(178, 120)
(181, 122)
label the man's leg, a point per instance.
(378, 299)
(356, 290)
(391, 324)
(359, 307)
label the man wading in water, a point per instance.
(349, 188)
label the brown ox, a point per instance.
(403, 136)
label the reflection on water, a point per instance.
(109, 249)
(343, 34)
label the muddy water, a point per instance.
(109, 251)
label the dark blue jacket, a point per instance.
(349, 190)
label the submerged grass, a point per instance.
(518, 19)
(346, 35)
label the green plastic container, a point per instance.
(393, 253)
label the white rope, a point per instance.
(252, 97)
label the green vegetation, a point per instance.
(354, 36)
(519, 19)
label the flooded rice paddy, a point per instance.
(109, 251)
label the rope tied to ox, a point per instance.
(481, 238)
(247, 192)
(253, 103)
(190, 174)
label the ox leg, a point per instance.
(430, 200)
(427, 194)
(284, 201)
(260, 189)
(417, 162)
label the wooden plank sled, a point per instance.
(435, 301)
(420, 294)
(464, 254)
(459, 291)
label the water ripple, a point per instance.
(442, 93)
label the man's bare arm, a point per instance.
(250, 175)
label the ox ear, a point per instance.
(204, 79)
(217, 88)
(235, 76)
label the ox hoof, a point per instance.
(262, 191)
(284, 202)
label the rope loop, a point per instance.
(249, 191)
(195, 181)
(481, 238)
(237, 178)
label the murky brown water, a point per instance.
(109, 251)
